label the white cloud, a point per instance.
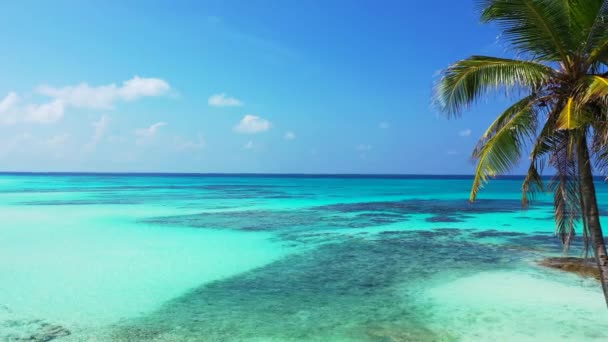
(117, 139)
(384, 125)
(223, 100)
(8, 105)
(252, 124)
(140, 87)
(12, 110)
(289, 135)
(9, 102)
(149, 131)
(44, 113)
(13, 144)
(100, 127)
(145, 134)
(28, 146)
(248, 145)
(83, 95)
(197, 144)
(465, 132)
(57, 140)
(104, 97)
(364, 147)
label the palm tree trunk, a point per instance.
(591, 213)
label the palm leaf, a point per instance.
(536, 27)
(583, 20)
(533, 182)
(546, 142)
(467, 80)
(571, 117)
(599, 146)
(596, 44)
(500, 147)
(566, 191)
(594, 88)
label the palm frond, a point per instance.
(500, 148)
(572, 116)
(590, 13)
(566, 190)
(583, 20)
(546, 142)
(467, 80)
(533, 182)
(596, 44)
(537, 27)
(599, 147)
(593, 88)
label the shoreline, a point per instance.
(579, 266)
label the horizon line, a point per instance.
(254, 174)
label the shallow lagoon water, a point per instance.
(243, 258)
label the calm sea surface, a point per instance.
(262, 258)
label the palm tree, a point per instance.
(560, 80)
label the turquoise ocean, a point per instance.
(118, 257)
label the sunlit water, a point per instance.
(216, 258)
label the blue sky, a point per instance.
(236, 86)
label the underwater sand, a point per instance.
(193, 258)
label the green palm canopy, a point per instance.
(559, 83)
